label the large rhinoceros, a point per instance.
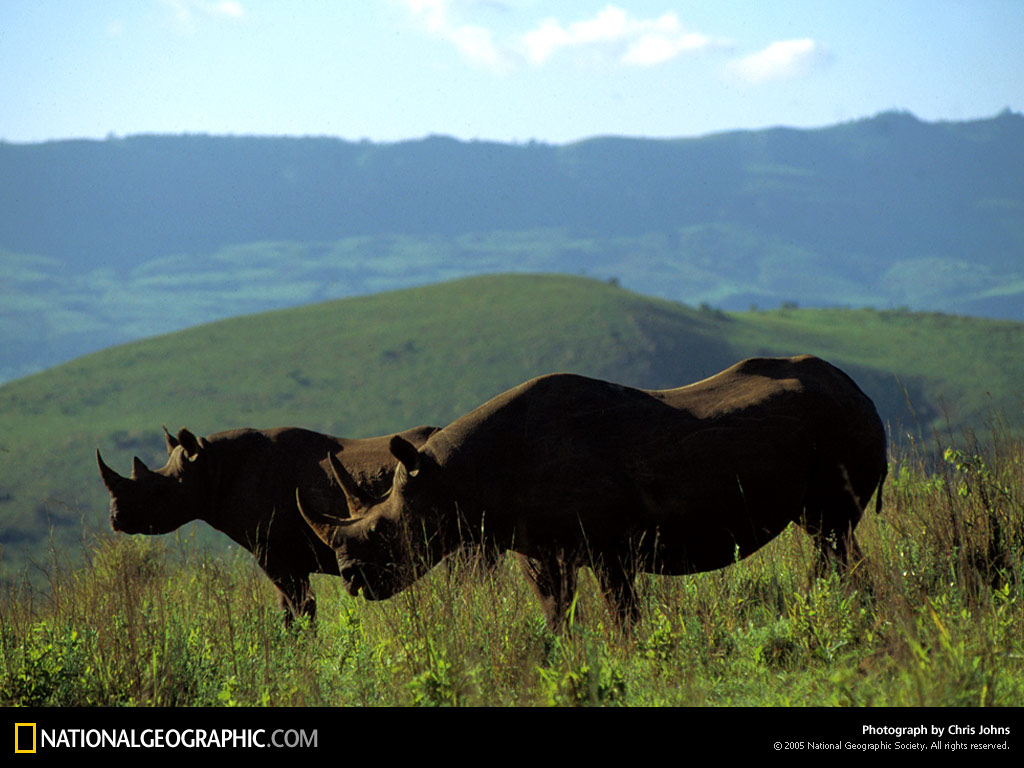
(570, 471)
(243, 482)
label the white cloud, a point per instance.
(187, 11)
(782, 60)
(229, 8)
(613, 33)
(474, 42)
(654, 49)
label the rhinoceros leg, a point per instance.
(617, 582)
(833, 511)
(480, 559)
(490, 556)
(835, 549)
(553, 580)
(295, 597)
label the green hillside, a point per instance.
(376, 364)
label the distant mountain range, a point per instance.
(105, 241)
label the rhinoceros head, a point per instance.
(384, 545)
(161, 500)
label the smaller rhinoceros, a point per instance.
(243, 482)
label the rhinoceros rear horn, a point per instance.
(111, 480)
(139, 469)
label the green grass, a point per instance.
(377, 364)
(933, 617)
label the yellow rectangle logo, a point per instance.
(20, 734)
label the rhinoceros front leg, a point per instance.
(295, 597)
(553, 580)
(618, 584)
(480, 559)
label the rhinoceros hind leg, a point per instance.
(833, 510)
(834, 540)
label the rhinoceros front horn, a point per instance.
(111, 480)
(325, 527)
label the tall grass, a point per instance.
(934, 616)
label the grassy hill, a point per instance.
(376, 364)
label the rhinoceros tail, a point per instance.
(878, 492)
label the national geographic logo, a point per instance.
(30, 738)
(25, 738)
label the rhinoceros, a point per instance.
(243, 482)
(569, 471)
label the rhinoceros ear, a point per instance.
(192, 444)
(406, 453)
(171, 442)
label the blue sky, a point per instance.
(507, 70)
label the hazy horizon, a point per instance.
(510, 71)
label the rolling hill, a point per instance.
(376, 364)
